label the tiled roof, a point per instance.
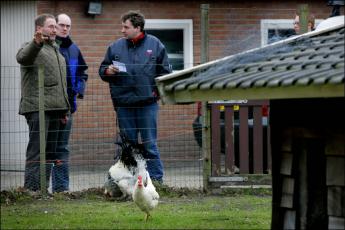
(305, 66)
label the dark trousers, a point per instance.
(32, 164)
(143, 121)
(60, 176)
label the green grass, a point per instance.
(186, 212)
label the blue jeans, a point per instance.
(60, 174)
(143, 121)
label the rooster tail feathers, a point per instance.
(130, 152)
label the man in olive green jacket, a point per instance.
(42, 51)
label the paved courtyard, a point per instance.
(176, 175)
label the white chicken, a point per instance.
(125, 178)
(123, 174)
(145, 195)
(111, 187)
(121, 178)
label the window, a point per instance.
(273, 30)
(177, 37)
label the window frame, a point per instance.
(267, 24)
(186, 25)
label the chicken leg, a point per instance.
(147, 215)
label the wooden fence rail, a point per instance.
(240, 140)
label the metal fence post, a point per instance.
(42, 129)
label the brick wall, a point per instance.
(234, 27)
(230, 22)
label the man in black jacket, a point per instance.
(130, 66)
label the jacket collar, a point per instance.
(64, 42)
(137, 40)
(52, 43)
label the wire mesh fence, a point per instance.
(92, 140)
(232, 29)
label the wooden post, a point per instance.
(206, 146)
(206, 137)
(303, 11)
(229, 141)
(244, 142)
(257, 140)
(42, 129)
(204, 32)
(215, 141)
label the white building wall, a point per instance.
(17, 27)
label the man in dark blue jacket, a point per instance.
(130, 66)
(76, 78)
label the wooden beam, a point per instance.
(264, 93)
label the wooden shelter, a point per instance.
(303, 77)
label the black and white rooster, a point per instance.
(123, 175)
